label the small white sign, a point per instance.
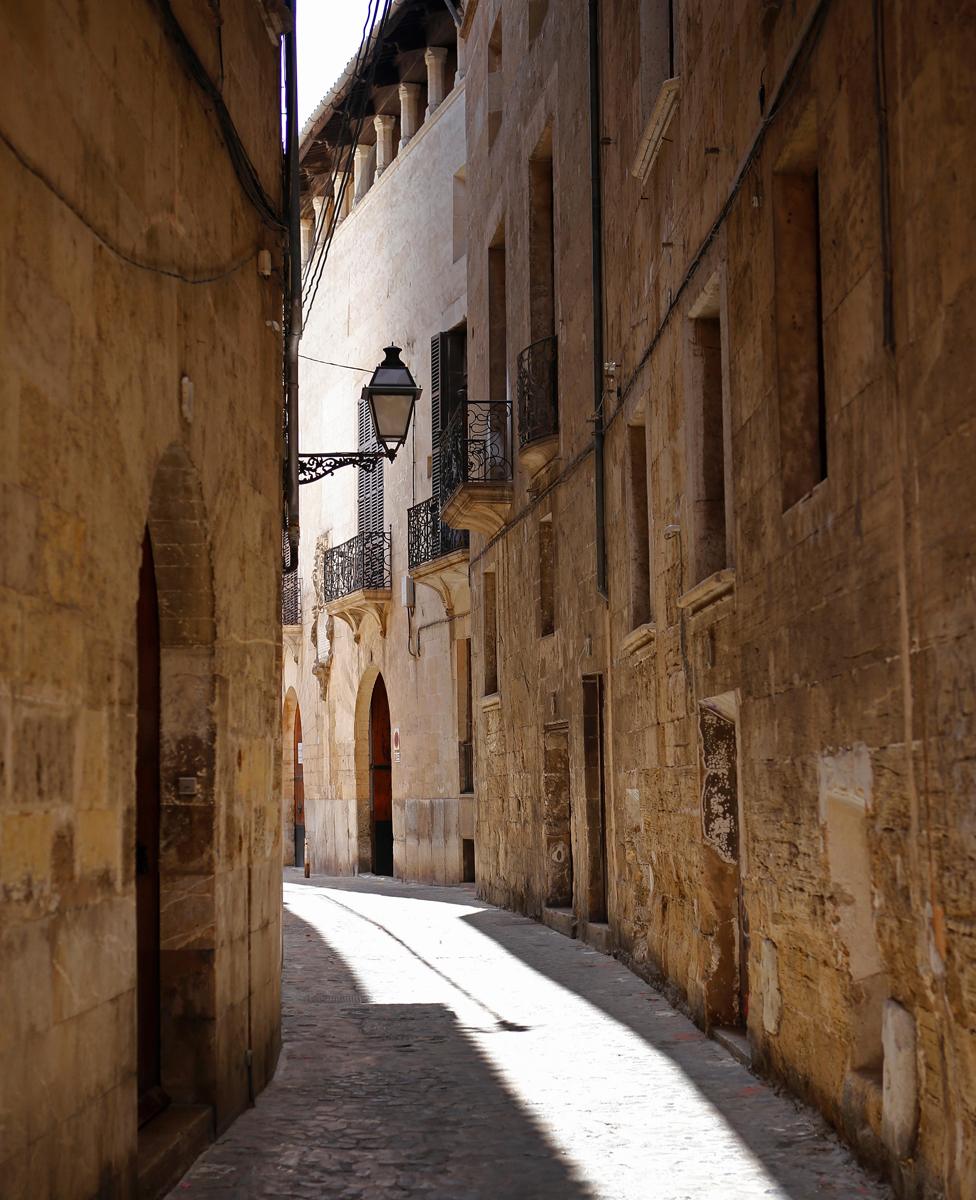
(396, 745)
(300, 759)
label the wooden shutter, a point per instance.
(448, 376)
(436, 347)
(370, 482)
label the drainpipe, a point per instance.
(596, 185)
(294, 290)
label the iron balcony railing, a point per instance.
(476, 445)
(291, 590)
(291, 599)
(428, 537)
(537, 391)
(361, 563)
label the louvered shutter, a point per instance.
(363, 475)
(435, 416)
(370, 482)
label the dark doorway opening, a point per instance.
(380, 781)
(467, 860)
(596, 834)
(152, 1098)
(299, 792)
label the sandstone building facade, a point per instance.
(376, 664)
(715, 465)
(140, 408)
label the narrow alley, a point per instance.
(437, 1046)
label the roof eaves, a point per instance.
(327, 104)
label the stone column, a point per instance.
(384, 141)
(308, 233)
(341, 205)
(409, 112)
(362, 176)
(436, 60)
(462, 61)
(318, 203)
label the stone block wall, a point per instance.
(818, 895)
(119, 203)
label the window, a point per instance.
(490, 634)
(658, 51)
(460, 227)
(709, 449)
(448, 377)
(370, 482)
(497, 318)
(547, 578)
(495, 82)
(542, 258)
(799, 316)
(641, 608)
(538, 10)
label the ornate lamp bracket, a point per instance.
(317, 466)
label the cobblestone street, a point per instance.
(437, 1047)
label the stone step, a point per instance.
(169, 1145)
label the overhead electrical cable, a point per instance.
(323, 219)
(240, 159)
(367, 83)
(210, 274)
(326, 363)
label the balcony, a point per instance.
(476, 466)
(356, 581)
(291, 591)
(538, 404)
(438, 554)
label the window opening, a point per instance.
(547, 577)
(799, 315)
(490, 634)
(641, 608)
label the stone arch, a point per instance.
(288, 715)
(178, 533)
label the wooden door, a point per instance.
(151, 1096)
(380, 781)
(596, 817)
(299, 781)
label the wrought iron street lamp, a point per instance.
(391, 395)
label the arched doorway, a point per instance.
(152, 1098)
(175, 818)
(298, 794)
(380, 781)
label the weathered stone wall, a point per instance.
(543, 84)
(115, 147)
(832, 627)
(394, 273)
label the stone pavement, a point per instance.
(436, 1047)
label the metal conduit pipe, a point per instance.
(294, 291)
(596, 185)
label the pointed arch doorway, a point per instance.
(174, 806)
(380, 781)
